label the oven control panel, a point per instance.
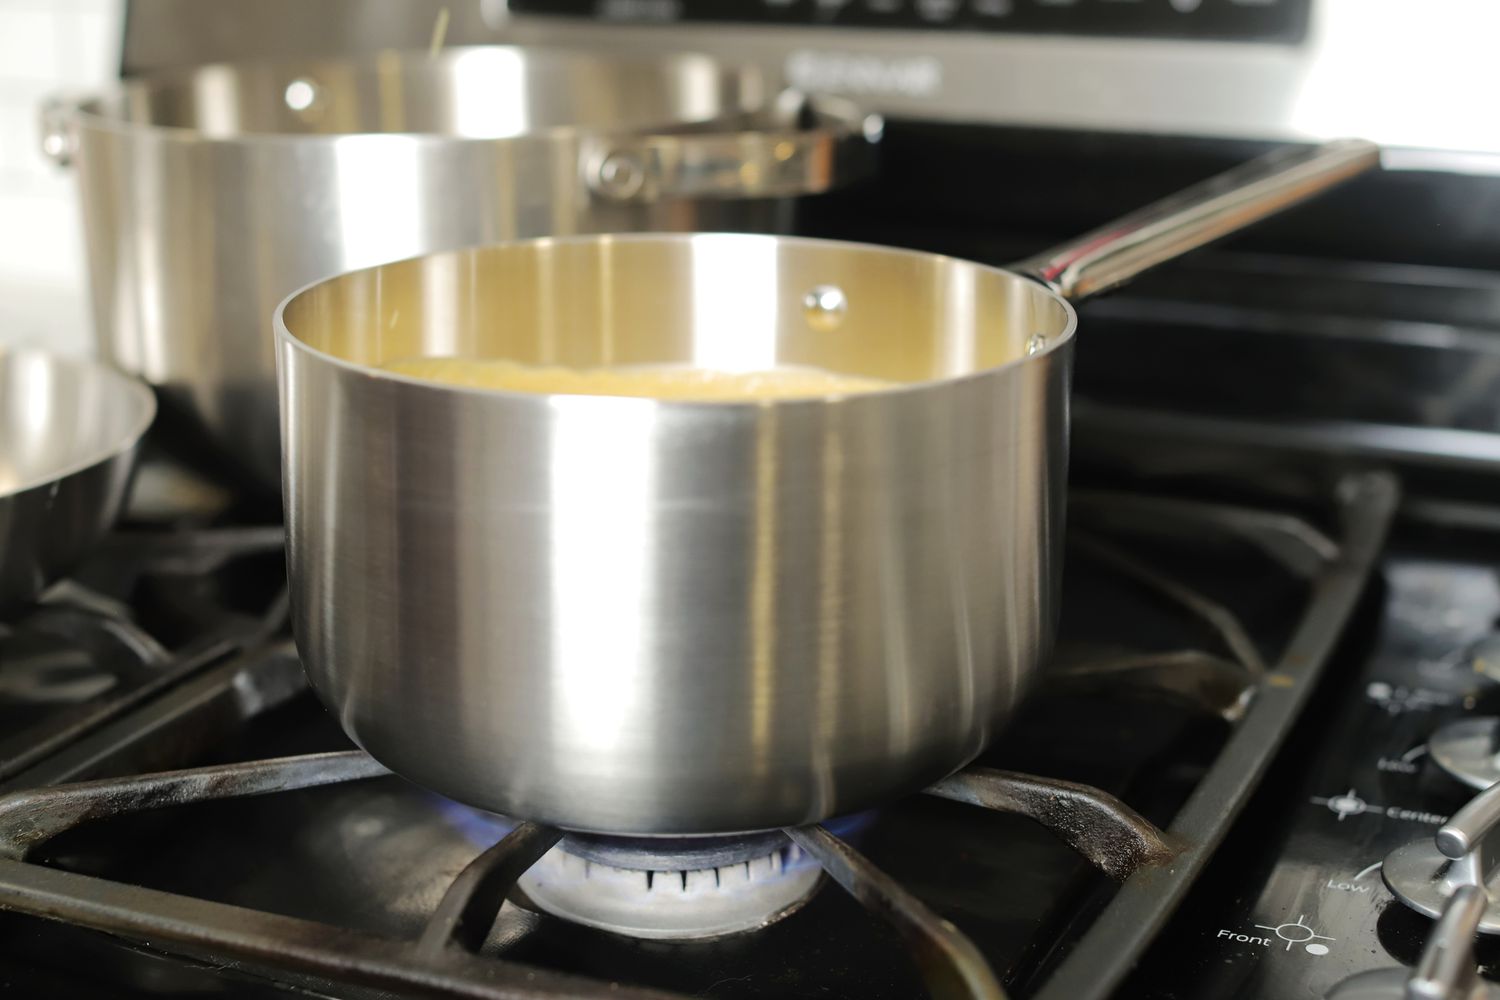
(1266, 70)
(1236, 20)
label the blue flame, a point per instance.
(484, 829)
(851, 826)
(847, 828)
(480, 828)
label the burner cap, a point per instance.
(672, 888)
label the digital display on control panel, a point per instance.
(1237, 20)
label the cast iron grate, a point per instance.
(82, 656)
(1155, 868)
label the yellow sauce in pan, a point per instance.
(677, 382)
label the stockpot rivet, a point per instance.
(1036, 343)
(301, 94)
(825, 306)
(57, 146)
(620, 175)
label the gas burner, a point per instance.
(673, 888)
(662, 888)
(48, 670)
(666, 854)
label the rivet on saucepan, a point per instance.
(825, 307)
(1035, 344)
(301, 94)
(620, 175)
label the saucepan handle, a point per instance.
(1113, 254)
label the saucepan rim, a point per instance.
(1055, 341)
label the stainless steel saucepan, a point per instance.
(208, 195)
(69, 432)
(651, 617)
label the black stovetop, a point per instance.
(1353, 784)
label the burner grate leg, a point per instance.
(30, 818)
(1113, 837)
(950, 963)
(1219, 618)
(468, 909)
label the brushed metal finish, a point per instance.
(626, 615)
(207, 196)
(69, 431)
(631, 615)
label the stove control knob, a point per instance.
(1446, 970)
(1469, 750)
(1484, 656)
(1465, 852)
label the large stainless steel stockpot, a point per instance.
(639, 616)
(208, 196)
(69, 433)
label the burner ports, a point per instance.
(666, 902)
